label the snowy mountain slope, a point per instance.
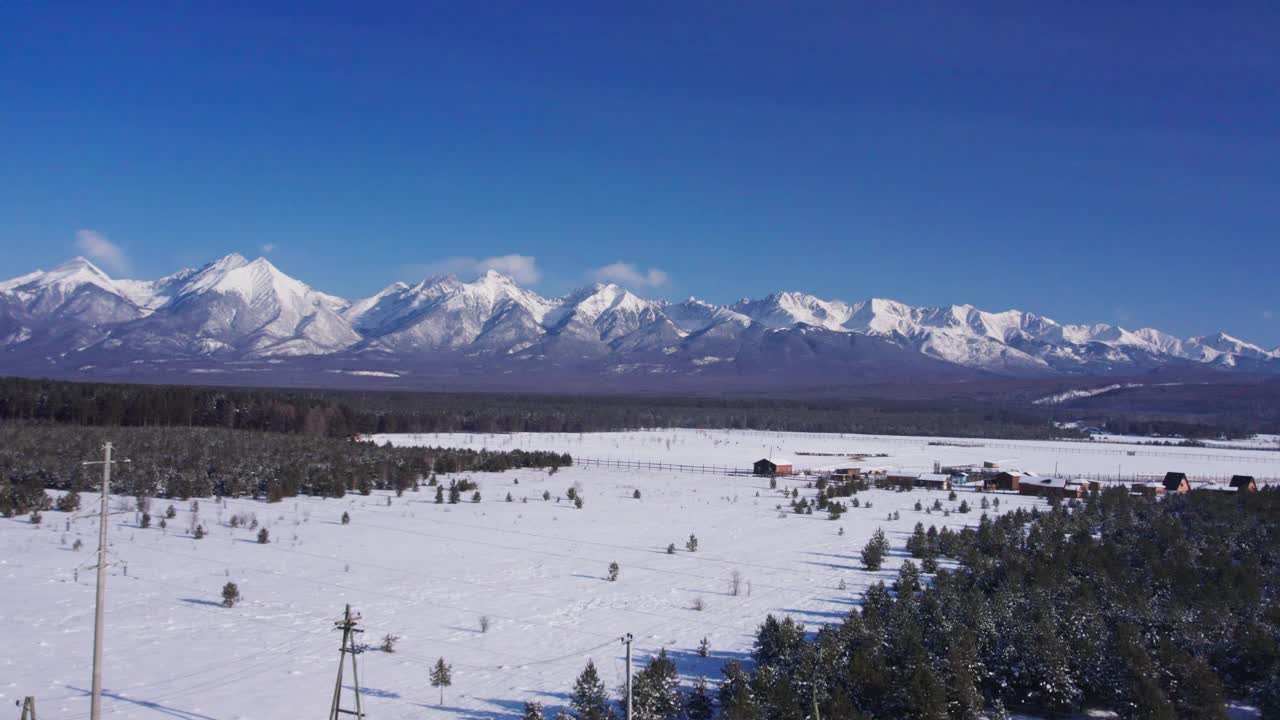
(234, 308)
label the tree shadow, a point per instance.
(197, 601)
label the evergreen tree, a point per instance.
(613, 571)
(873, 552)
(230, 595)
(655, 691)
(532, 711)
(264, 537)
(737, 702)
(69, 502)
(439, 494)
(964, 700)
(698, 706)
(441, 677)
(589, 700)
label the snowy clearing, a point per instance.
(740, 448)
(428, 573)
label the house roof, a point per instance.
(934, 477)
(1238, 481)
(1174, 479)
(777, 460)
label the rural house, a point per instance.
(774, 466)
(1176, 482)
(1244, 483)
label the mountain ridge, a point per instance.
(233, 309)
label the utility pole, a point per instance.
(95, 702)
(626, 640)
(348, 627)
(28, 708)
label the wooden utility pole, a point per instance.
(626, 640)
(28, 708)
(348, 627)
(95, 701)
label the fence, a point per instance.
(1103, 478)
(672, 467)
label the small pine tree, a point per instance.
(636, 495)
(874, 551)
(346, 518)
(36, 517)
(655, 691)
(230, 595)
(455, 495)
(69, 502)
(964, 506)
(951, 496)
(389, 643)
(546, 494)
(577, 502)
(692, 544)
(264, 537)
(441, 677)
(613, 571)
(145, 522)
(698, 706)
(704, 648)
(170, 512)
(198, 533)
(509, 498)
(919, 507)
(589, 699)
(77, 545)
(671, 549)
(476, 497)
(532, 711)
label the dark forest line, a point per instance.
(204, 462)
(339, 413)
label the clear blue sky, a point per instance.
(1091, 163)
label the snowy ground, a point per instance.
(429, 572)
(740, 448)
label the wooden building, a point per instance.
(1003, 480)
(773, 466)
(1052, 487)
(1243, 483)
(933, 481)
(1176, 482)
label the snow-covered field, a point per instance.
(429, 573)
(740, 448)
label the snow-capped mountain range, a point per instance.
(235, 312)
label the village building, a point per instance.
(1244, 483)
(933, 481)
(1176, 482)
(773, 466)
(1053, 487)
(1003, 480)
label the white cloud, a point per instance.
(521, 268)
(1267, 314)
(625, 273)
(98, 248)
(267, 248)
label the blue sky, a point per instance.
(1092, 164)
